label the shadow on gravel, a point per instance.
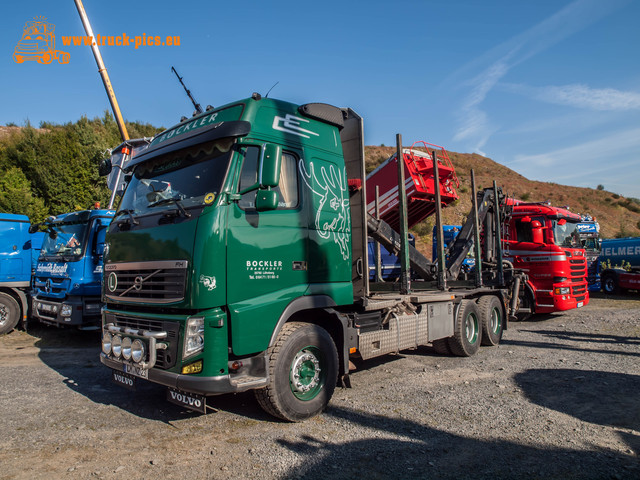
(75, 355)
(603, 398)
(429, 453)
(606, 398)
(591, 338)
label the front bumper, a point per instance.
(78, 311)
(187, 383)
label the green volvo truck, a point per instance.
(237, 260)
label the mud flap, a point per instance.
(123, 379)
(192, 401)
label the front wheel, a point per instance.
(467, 331)
(303, 372)
(9, 313)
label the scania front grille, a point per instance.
(148, 282)
(165, 358)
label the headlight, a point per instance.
(116, 346)
(66, 310)
(126, 348)
(106, 343)
(137, 350)
(562, 291)
(193, 336)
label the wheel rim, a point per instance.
(495, 322)
(4, 315)
(608, 285)
(471, 328)
(306, 376)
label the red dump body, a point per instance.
(419, 185)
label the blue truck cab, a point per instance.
(450, 232)
(15, 270)
(589, 234)
(67, 280)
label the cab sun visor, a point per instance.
(238, 128)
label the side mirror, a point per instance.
(269, 168)
(105, 167)
(536, 230)
(33, 228)
(562, 221)
(266, 200)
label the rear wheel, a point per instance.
(9, 313)
(467, 331)
(441, 346)
(492, 317)
(303, 372)
(610, 284)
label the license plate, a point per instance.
(123, 379)
(579, 304)
(137, 371)
(192, 401)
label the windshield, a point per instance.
(591, 244)
(566, 235)
(186, 178)
(64, 240)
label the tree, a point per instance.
(16, 196)
(600, 187)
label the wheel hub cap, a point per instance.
(305, 372)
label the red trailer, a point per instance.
(418, 170)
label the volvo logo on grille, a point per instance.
(112, 282)
(137, 283)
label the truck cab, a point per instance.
(66, 284)
(544, 241)
(15, 270)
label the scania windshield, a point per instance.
(566, 234)
(180, 180)
(64, 241)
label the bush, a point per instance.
(600, 187)
(615, 195)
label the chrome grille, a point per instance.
(148, 282)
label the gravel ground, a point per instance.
(558, 399)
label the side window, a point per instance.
(287, 188)
(523, 231)
(249, 176)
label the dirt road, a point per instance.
(559, 399)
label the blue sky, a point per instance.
(549, 88)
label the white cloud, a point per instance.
(475, 125)
(586, 158)
(581, 96)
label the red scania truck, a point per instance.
(544, 241)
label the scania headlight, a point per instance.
(106, 343)
(562, 291)
(116, 346)
(193, 336)
(126, 348)
(66, 310)
(137, 350)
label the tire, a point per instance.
(9, 313)
(303, 373)
(492, 318)
(610, 284)
(467, 333)
(441, 346)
